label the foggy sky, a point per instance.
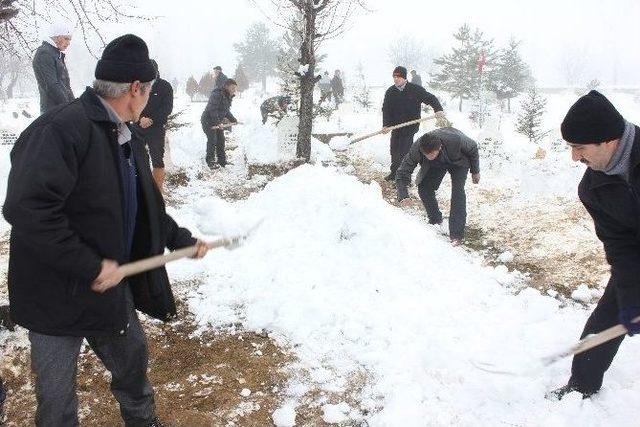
(597, 37)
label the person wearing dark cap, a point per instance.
(337, 88)
(416, 79)
(153, 121)
(220, 77)
(401, 104)
(81, 201)
(609, 145)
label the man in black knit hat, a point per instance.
(81, 201)
(401, 104)
(603, 140)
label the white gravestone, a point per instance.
(287, 137)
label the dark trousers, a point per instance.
(54, 361)
(399, 146)
(155, 140)
(588, 368)
(215, 146)
(458, 210)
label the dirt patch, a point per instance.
(198, 379)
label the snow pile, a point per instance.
(285, 416)
(339, 143)
(356, 284)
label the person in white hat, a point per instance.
(50, 68)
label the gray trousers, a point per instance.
(399, 147)
(458, 212)
(54, 361)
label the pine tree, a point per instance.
(207, 84)
(258, 53)
(530, 118)
(192, 87)
(241, 78)
(459, 72)
(510, 75)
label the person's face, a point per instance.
(232, 89)
(595, 156)
(139, 94)
(216, 73)
(62, 42)
(432, 155)
(398, 80)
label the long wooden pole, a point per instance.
(390, 128)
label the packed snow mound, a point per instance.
(355, 283)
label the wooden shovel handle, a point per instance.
(401, 125)
(147, 264)
(600, 338)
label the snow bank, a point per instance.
(355, 283)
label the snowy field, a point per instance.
(354, 286)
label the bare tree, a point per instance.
(20, 20)
(12, 69)
(312, 22)
(411, 53)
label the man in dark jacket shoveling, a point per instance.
(81, 201)
(603, 140)
(438, 152)
(216, 114)
(401, 104)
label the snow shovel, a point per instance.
(225, 125)
(581, 346)
(229, 242)
(401, 125)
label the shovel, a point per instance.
(229, 242)
(581, 346)
(401, 125)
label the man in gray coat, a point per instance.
(438, 152)
(50, 69)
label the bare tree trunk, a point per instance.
(264, 82)
(307, 81)
(509, 105)
(460, 105)
(12, 84)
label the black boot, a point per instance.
(561, 392)
(155, 423)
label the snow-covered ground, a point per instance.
(352, 284)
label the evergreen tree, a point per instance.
(362, 94)
(510, 75)
(259, 53)
(459, 72)
(241, 78)
(207, 84)
(530, 117)
(192, 87)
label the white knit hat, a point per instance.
(60, 28)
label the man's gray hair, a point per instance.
(107, 89)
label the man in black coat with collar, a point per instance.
(438, 152)
(401, 104)
(603, 140)
(81, 201)
(50, 69)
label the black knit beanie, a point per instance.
(125, 60)
(400, 71)
(592, 120)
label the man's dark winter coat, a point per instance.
(159, 107)
(614, 206)
(337, 87)
(65, 204)
(401, 106)
(221, 80)
(52, 77)
(218, 108)
(458, 150)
